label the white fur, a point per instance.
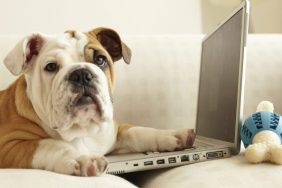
(50, 99)
(61, 157)
(21, 50)
(78, 136)
(87, 133)
(152, 140)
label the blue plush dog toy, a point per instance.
(262, 135)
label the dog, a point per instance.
(58, 114)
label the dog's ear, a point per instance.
(21, 56)
(111, 41)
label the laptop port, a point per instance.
(172, 160)
(213, 155)
(148, 163)
(184, 158)
(161, 161)
(136, 164)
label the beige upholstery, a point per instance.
(159, 88)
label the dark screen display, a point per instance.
(218, 90)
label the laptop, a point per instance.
(220, 102)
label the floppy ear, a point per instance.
(111, 41)
(20, 57)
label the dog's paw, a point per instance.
(172, 140)
(186, 138)
(91, 165)
(84, 165)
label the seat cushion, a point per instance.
(230, 172)
(26, 178)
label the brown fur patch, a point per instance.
(95, 45)
(19, 130)
(121, 128)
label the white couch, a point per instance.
(159, 89)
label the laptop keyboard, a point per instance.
(198, 144)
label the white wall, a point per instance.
(132, 16)
(265, 15)
(126, 16)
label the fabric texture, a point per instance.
(234, 172)
(15, 178)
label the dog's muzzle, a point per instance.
(83, 84)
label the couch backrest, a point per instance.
(159, 88)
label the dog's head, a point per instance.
(70, 76)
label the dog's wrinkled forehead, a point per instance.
(77, 39)
(72, 43)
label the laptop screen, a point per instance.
(219, 81)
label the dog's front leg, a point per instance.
(61, 157)
(143, 139)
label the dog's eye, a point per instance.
(51, 67)
(100, 60)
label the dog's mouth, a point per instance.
(85, 99)
(86, 96)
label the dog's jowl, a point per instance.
(58, 114)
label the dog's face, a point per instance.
(70, 76)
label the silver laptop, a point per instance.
(220, 102)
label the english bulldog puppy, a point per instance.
(58, 114)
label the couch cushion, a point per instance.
(15, 178)
(234, 172)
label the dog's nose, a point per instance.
(81, 77)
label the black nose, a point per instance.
(81, 77)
